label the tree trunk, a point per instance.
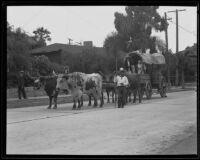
(168, 71)
(183, 79)
(116, 63)
(177, 76)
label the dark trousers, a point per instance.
(121, 90)
(21, 90)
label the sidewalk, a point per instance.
(39, 97)
(172, 89)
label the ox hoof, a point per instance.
(54, 107)
(49, 107)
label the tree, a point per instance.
(41, 65)
(137, 24)
(187, 63)
(18, 48)
(113, 44)
(42, 35)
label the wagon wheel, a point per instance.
(148, 90)
(163, 88)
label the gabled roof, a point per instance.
(63, 47)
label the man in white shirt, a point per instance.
(122, 82)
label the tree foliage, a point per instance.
(113, 43)
(18, 47)
(137, 25)
(42, 35)
(187, 61)
(41, 65)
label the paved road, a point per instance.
(153, 127)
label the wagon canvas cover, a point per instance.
(155, 58)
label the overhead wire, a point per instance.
(95, 27)
(183, 28)
(32, 17)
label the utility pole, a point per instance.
(168, 56)
(177, 47)
(70, 40)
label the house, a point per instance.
(58, 52)
(190, 53)
(188, 60)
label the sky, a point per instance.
(94, 23)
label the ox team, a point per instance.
(77, 83)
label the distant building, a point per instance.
(190, 54)
(88, 44)
(58, 52)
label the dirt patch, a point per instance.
(184, 144)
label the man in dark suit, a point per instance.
(21, 85)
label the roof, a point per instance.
(189, 51)
(155, 58)
(63, 47)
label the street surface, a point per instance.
(157, 126)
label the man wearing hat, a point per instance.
(66, 69)
(21, 83)
(122, 82)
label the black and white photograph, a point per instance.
(101, 80)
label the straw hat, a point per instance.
(121, 69)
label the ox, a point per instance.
(49, 84)
(133, 78)
(73, 85)
(109, 86)
(135, 87)
(90, 84)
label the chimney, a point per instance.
(87, 43)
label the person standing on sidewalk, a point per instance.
(122, 82)
(66, 69)
(21, 85)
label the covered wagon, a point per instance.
(151, 75)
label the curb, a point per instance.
(33, 102)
